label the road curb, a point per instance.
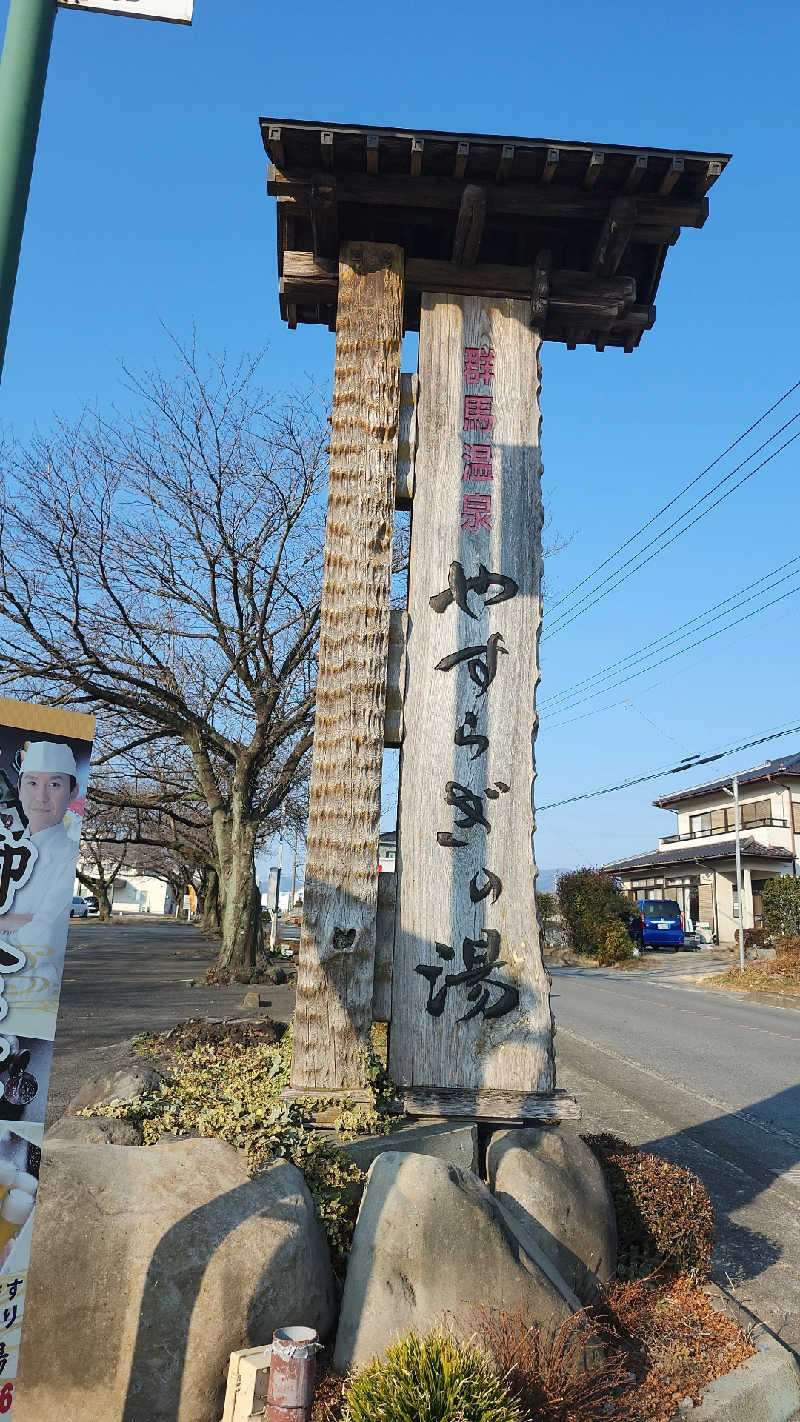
(765, 1388)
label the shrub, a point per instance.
(664, 1213)
(787, 951)
(755, 937)
(615, 944)
(589, 900)
(556, 1374)
(432, 1379)
(781, 899)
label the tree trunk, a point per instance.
(242, 935)
(212, 918)
(103, 902)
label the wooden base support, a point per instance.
(491, 1105)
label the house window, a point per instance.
(755, 810)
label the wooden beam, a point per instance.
(637, 171)
(670, 178)
(469, 226)
(373, 144)
(395, 678)
(506, 1106)
(550, 165)
(326, 148)
(306, 279)
(462, 158)
(506, 162)
(593, 167)
(615, 236)
(540, 290)
(324, 216)
(417, 147)
(407, 441)
(515, 199)
(337, 943)
(712, 172)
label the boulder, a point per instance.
(553, 1189)
(441, 1138)
(124, 1085)
(431, 1241)
(96, 1130)
(150, 1267)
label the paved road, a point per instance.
(125, 978)
(709, 1080)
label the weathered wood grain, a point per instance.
(407, 440)
(469, 225)
(492, 1105)
(395, 677)
(384, 949)
(511, 1053)
(337, 944)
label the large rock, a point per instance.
(149, 1267)
(123, 1085)
(431, 1240)
(553, 1189)
(96, 1130)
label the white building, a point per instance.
(697, 864)
(135, 893)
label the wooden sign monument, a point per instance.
(487, 246)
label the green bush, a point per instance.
(615, 944)
(781, 898)
(664, 1213)
(432, 1379)
(589, 900)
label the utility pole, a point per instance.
(737, 829)
(23, 71)
(273, 928)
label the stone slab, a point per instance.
(457, 1144)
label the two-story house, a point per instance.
(697, 864)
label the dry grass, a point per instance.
(780, 974)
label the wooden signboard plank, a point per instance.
(337, 944)
(471, 1022)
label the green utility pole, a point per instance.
(23, 70)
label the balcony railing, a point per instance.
(769, 820)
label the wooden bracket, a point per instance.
(324, 216)
(395, 678)
(406, 441)
(615, 236)
(540, 290)
(469, 225)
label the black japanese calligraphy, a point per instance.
(492, 886)
(467, 735)
(481, 661)
(459, 586)
(481, 956)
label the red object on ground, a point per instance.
(292, 1375)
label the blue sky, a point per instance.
(149, 210)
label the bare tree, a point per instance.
(165, 568)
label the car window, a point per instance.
(660, 908)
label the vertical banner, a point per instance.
(44, 768)
(471, 1029)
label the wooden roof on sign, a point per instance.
(580, 229)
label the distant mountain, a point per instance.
(546, 880)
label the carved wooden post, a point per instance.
(337, 945)
(471, 1025)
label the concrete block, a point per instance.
(457, 1144)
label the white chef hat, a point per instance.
(49, 757)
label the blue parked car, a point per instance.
(662, 924)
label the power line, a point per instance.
(662, 544)
(667, 637)
(568, 595)
(642, 671)
(690, 763)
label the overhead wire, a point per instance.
(667, 638)
(653, 519)
(689, 763)
(592, 596)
